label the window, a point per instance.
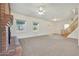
(66, 26)
(20, 24)
(35, 26)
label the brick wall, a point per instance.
(4, 18)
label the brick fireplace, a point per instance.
(5, 18)
(8, 44)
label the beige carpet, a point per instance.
(53, 45)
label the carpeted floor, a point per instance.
(53, 45)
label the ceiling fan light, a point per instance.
(40, 8)
(41, 11)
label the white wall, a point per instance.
(45, 27)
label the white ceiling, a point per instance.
(58, 11)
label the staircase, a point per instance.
(73, 25)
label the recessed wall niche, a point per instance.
(35, 26)
(20, 24)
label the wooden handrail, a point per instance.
(73, 25)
